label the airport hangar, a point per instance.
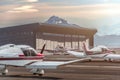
(36, 34)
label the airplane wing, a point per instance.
(77, 54)
(51, 64)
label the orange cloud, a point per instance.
(32, 0)
(21, 9)
(84, 11)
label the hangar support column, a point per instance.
(34, 39)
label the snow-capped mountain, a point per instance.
(59, 21)
(56, 20)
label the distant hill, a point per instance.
(112, 41)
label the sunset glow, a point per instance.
(90, 14)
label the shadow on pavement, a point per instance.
(33, 77)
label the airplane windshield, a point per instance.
(28, 52)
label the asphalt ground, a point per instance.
(95, 70)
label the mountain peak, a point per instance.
(56, 20)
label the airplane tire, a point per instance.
(34, 73)
(40, 75)
(105, 60)
(89, 60)
(111, 60)
(3, 74)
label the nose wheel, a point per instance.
(5, 71)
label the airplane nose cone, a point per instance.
(40, 55)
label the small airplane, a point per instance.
(98, 52)
(101, 49)
(26, 56)
(60, 50)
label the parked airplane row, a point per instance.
(26, 56)
(96, 52)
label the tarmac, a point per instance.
(95, 70)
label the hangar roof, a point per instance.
(49, 28)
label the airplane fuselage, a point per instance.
(19, 61)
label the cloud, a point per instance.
(31, 0)
(91, 16)
(21, 9)
(84, 11)
(16, 2)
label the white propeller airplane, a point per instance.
(26, 56)
(101, 49)
(98, 52)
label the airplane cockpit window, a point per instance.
(28, 52)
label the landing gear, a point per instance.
(41, 72)
(34, 73)
(4, 70)
(38, 72)
(90, 60)
(109, 60)
(40, 75)
(3, 74)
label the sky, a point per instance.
(103, 15)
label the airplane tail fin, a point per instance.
(85, 49)
(43, 48)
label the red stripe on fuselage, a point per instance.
(21, 58)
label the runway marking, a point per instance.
(86, 66)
